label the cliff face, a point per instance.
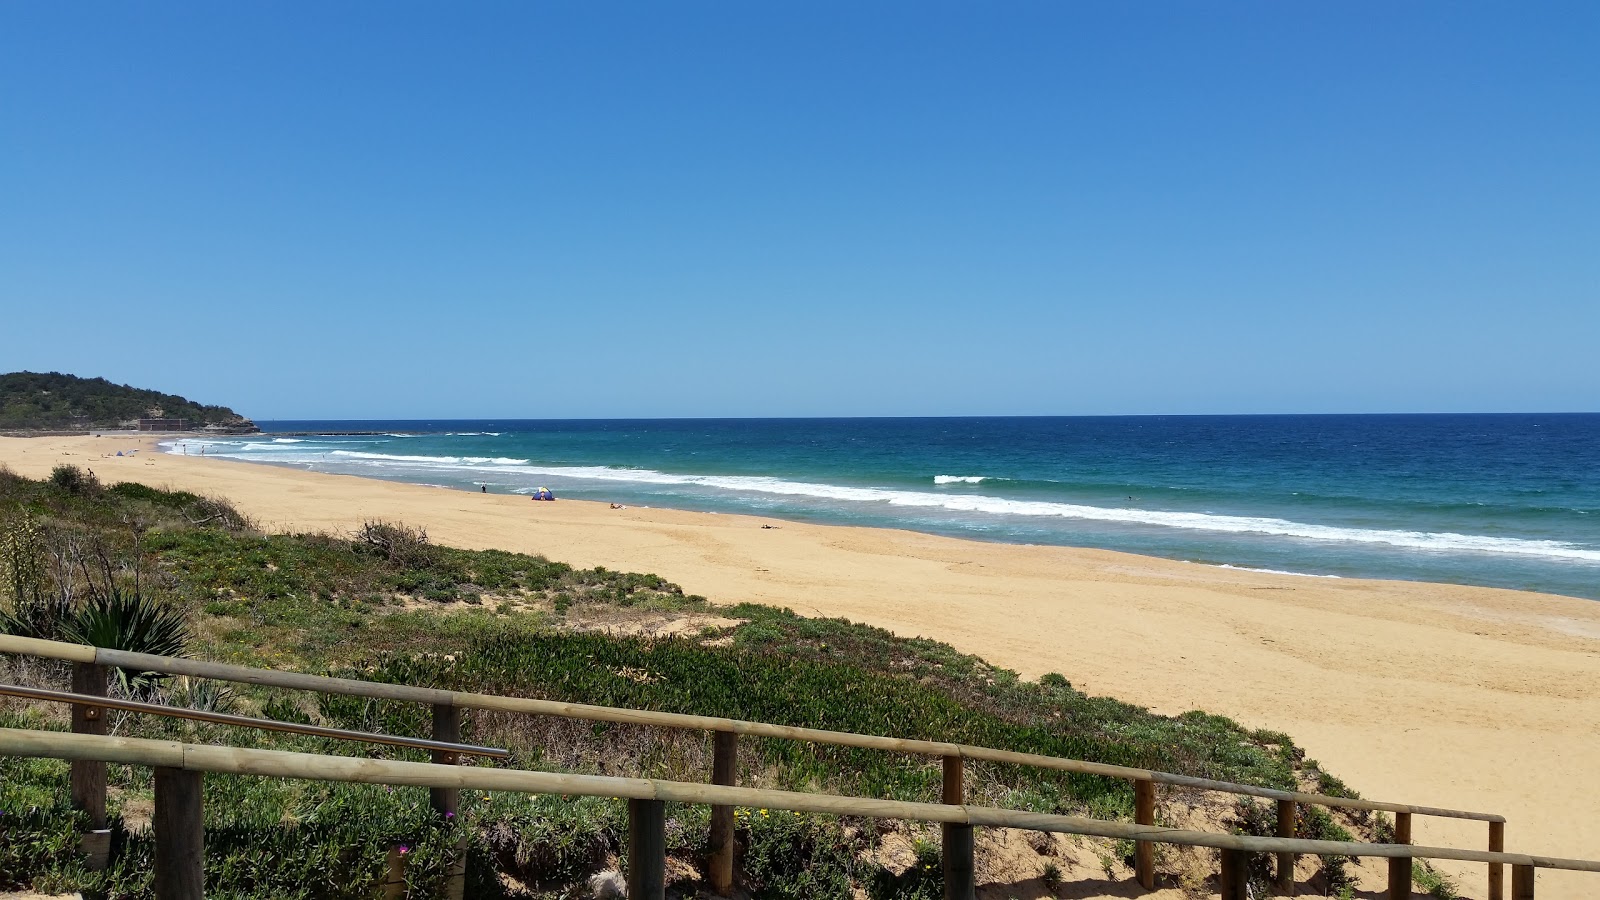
(32, 401)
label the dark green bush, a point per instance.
(38, 827)
(74, 480)
(794, 856)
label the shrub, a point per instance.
(35, 611)
(548, 840)
(74, 480)
(1435, 884)
(216, 510)
(38, 826)
(793, 856)
(1316, 824)
(399, 544)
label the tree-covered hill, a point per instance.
(31, 400)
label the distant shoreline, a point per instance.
(118, 432)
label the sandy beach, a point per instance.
(1442, 695)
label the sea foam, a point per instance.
(1268, 571)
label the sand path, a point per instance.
(1469, 698)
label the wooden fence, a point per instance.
(90, 666)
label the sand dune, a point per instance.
(1442, 695)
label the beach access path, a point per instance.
(1462, 697)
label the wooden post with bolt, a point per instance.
(88, 776)
(446, 728)
(1497, 871)
(1144, 852)
(724, 771)
(447, 801)
(647, 850)
(960, 875)
(1400, 866)
(179, 829)
(1284, 883)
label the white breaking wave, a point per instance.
(972, 503)
(439, 460)
(959, 479)
(1268, 571)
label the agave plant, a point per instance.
(129, 621)
(207, 696)
(39, 617)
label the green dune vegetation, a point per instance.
(34, 401)
(386, 604)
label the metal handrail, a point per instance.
(216, 718)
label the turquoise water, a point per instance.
(1499, 500)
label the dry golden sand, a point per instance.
(1461, 697)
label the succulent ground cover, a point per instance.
(384, 603)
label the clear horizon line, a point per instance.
(706, 418)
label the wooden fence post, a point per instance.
(179, 829)
(647, 850)
(1522, 883)
(89, 776)
(1234, 881)
(1286, 829)
(447, 801)
(1400, 866)
(1144, 852)
(446, 728)
(724, 771)
(1497, 872)
(960, 875)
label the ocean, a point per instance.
(1498, 500)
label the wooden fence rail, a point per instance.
(178, 820)
(90, 663)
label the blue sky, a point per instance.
(526, 209)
